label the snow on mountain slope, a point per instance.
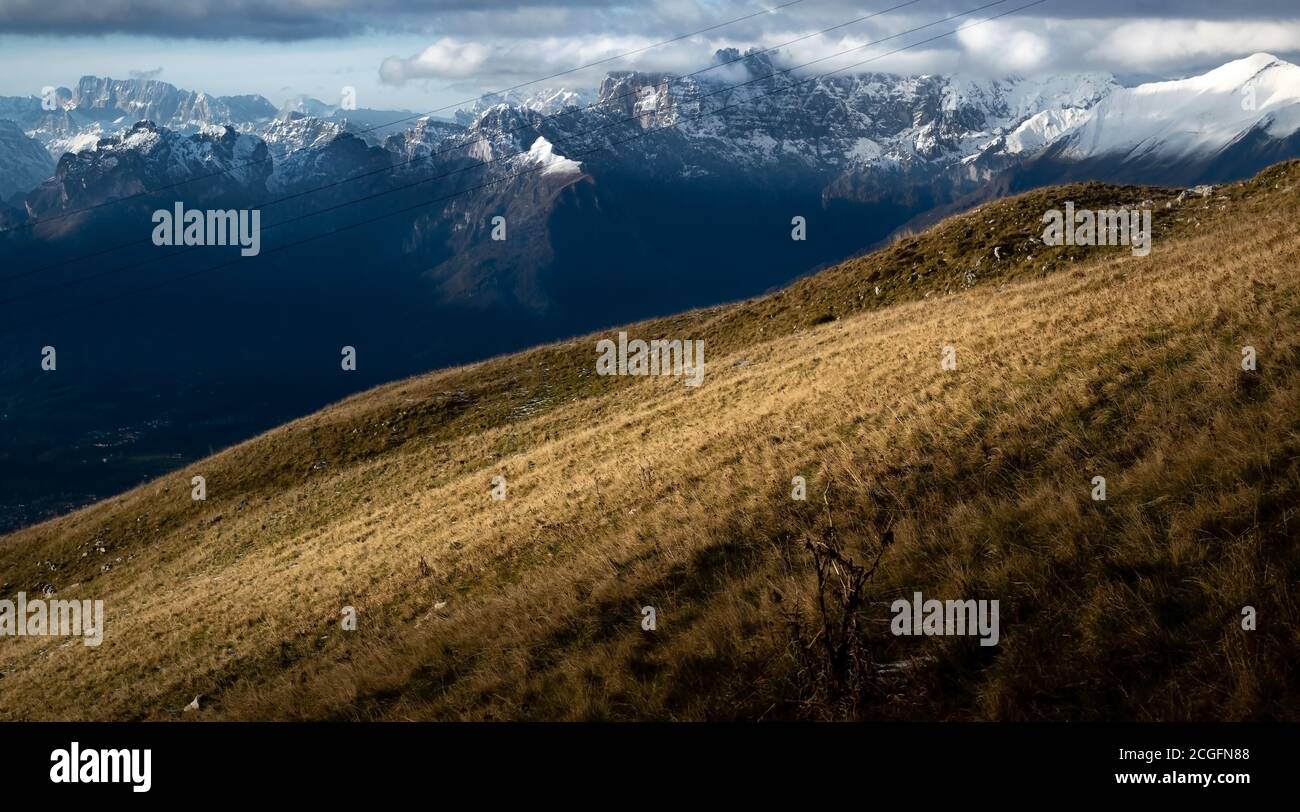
(293, 137)
(543, 152)
(85, 139)
(1041, 129)
(63, 129)
(547, 101)
(151, 157)
(373, 126)
(866, 126)
(294, 132)
(424, 137)
(101, 107)
(1195, 117)
(126, 101)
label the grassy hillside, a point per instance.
(632, 492)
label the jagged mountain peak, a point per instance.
(547, 101)
(759, 61)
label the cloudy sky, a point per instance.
(421, 54)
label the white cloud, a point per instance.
(447, 58)
(1153, 44)
(1004, 46)
(971, 46)
(511, 59)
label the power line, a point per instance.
(424, 204)
(464, 145)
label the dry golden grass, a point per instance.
(632, 492)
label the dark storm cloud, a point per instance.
(215, 19)
(308, 19)
(252, 19)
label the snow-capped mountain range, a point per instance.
(149, 157)
(843, 133)
(100, 107)
(546, 101)
(898, 145)
(1260, 91)
(1218, 126)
